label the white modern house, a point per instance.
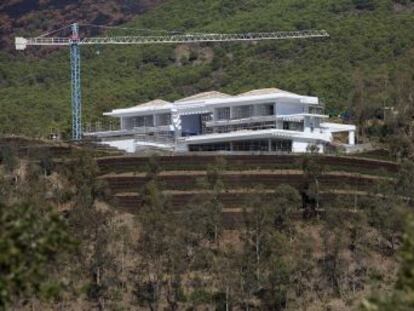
(265, 120)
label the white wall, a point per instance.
(302, 147)
(351, 137)
(127, 145)
(289, 108)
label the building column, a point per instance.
(306, 124)
(154, 120)
(351, 138)
(176, 123)
(122, 123)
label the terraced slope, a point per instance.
(196, 162)
(186, 180)
(182, 178)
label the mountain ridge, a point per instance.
(371, 46)
(40, 16)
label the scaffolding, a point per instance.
(255, 126)
(150, 136)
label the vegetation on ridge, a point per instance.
(292, 249)
(371, 49)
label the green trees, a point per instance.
(286, 202)
(9, 158)
(258, 231)
(178, 257)
(94, 270)
(311, 187)
(364, 4)
(402, 296)
(34, 94)
(33, 238)
(82, 172)
(210, 201)
(268, 225)
(154, 247)
(162, 249)
(405, 284)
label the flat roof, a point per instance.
(203, 95)
(153, 105)
(215, 98)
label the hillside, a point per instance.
(371, 49)
(84, 232)
(35, 17)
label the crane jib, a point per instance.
(185, 38)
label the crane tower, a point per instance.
(75, 41)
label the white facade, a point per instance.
(260, 120)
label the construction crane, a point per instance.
(74, 41)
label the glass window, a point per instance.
(316, 109)
(242, 112)
(265, 110)
(164, 119)
(293, 126)
(223, 113)
(142, 121)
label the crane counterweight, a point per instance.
(21, 43)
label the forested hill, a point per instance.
(368, 61)
(35, 17)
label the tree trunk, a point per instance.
(258, 259)
(227, 299)
(98, 276)
(317, 193)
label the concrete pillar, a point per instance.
(351, 137)
(306, 124)
(176, 123)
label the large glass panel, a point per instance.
(223, 113)
(293, 126)
(265, 110)
(242, 112)
(164, 119)
(282, 145)
(316, 109)
(142, 121)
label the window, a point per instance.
(210, 147)
(293, 126)
(164, 119)
(242, 112)
(251, 145)
(315, 109)
(265, 110)
(282, 145)
(142, 121)
(223, 113)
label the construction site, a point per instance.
(208, 170)
(345, 177)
